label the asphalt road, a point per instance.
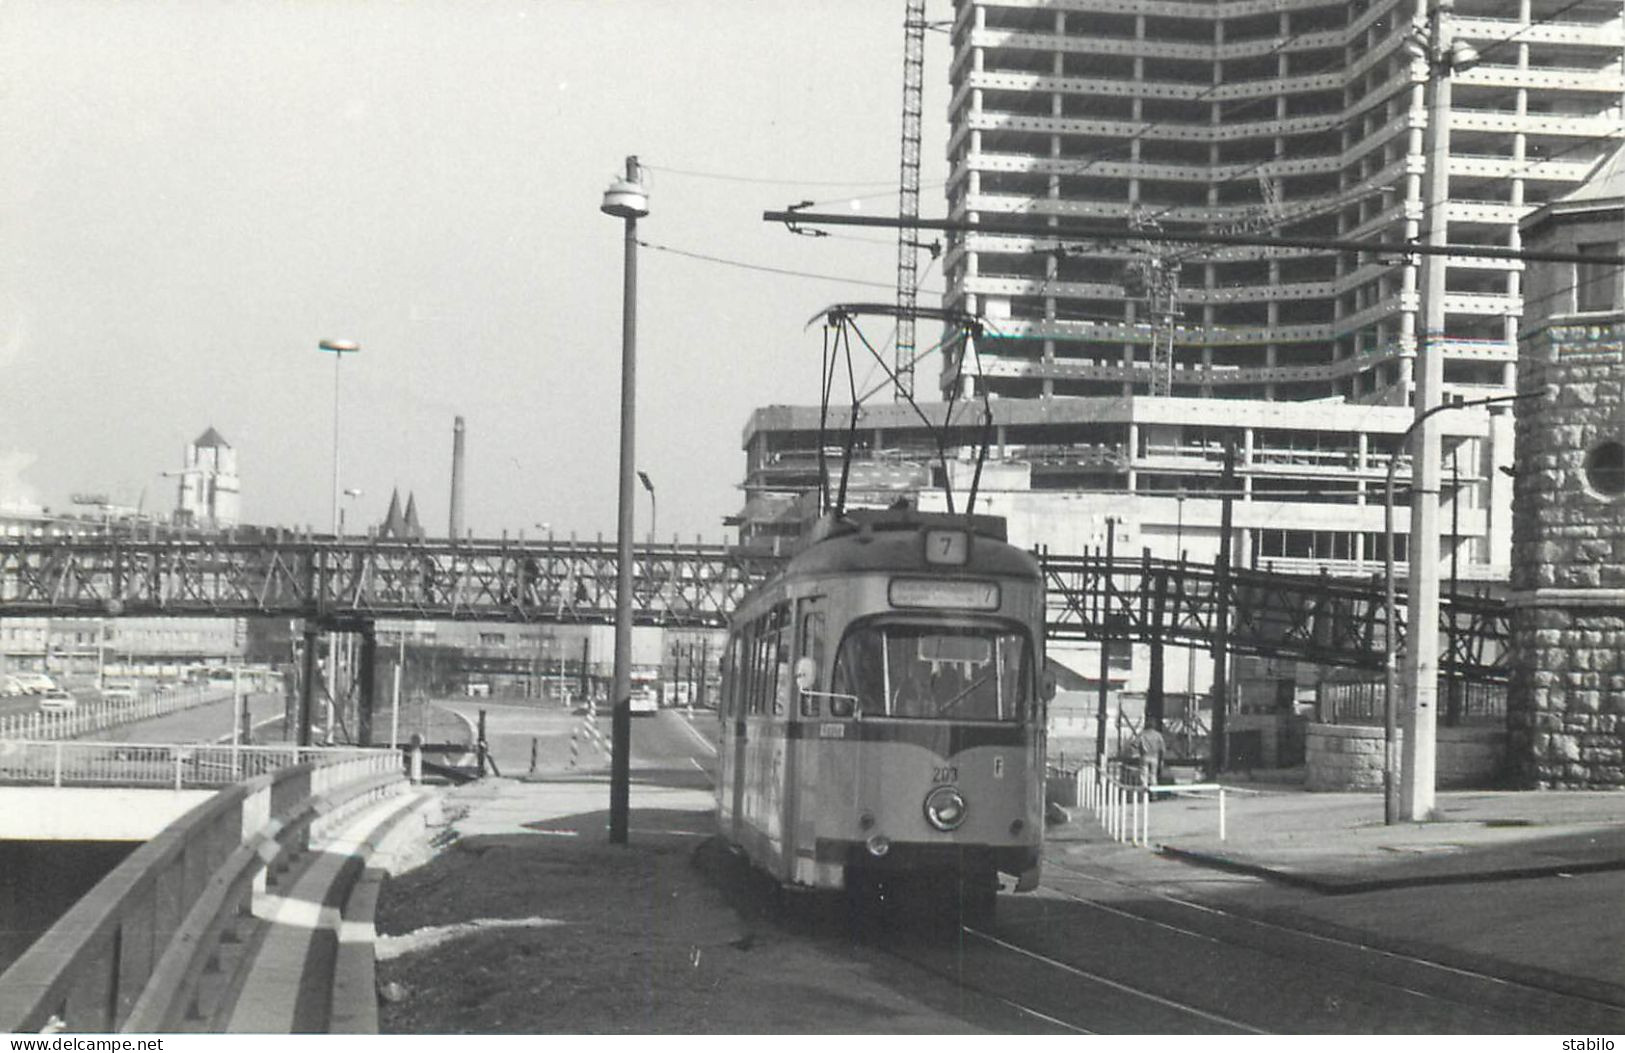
(1094, 953)
(210, 722)
(665, 747)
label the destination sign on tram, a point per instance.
(942, 594)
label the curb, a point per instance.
(1342, 885)
(354, 1007)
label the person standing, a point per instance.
(1150, 746)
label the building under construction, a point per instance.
(1287, 118)
(1123, 365)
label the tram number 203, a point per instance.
(948, 774)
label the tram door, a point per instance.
(733, 742)
(801, 761)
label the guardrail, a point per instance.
(176, 766)
(1123, 805)
(96, 716)
(131, 954)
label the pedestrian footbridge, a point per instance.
(202, 918)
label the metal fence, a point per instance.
(1122, 803)
(184, 766)
(1361, 702)
(88, 717)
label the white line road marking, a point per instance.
(701, 739)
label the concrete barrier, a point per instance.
(125, 954)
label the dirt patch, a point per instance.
(667, 935)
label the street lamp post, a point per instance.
(338, 349)
(349, 495)
(1444, 57)
(1414, 637)
(627, 200)
(649, 486)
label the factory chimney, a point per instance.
(457, 480)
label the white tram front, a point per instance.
(882, 720)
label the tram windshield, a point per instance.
(933, 672)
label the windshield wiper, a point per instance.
(952, 702)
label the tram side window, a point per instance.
(764, 673)
(733, 671)
(740, 657)
(782, 680)
(763, 657)
(753, 669)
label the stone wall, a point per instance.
(1566, 699)
(1349, 757)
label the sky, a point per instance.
(193, 195)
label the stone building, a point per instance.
(210, 493)
(1566, 706)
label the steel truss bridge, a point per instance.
(352, 584)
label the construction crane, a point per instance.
(908, 195)
(1153, 276)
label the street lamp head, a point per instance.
(647, 485)
(625, 199)
(1463, 57)
(340, 347)
(352, 493)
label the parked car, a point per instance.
(28, 684)
(57, 701)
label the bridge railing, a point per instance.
(1362, 701)
(178, 767)
(90, 717)
(1091, 597)
(130, 953)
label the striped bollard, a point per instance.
(574, 748)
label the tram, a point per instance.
(883, 711)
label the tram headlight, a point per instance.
(879, 845)
(945, 808)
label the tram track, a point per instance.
(1159, 962)
(1411, 975)
(1046, 989)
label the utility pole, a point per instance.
(1453, 685)
(1154, 278)
(1105, 644)
(1219, 752)
(1444, 56)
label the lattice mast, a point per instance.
(908, 195)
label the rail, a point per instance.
(1317, 618)
(130, 954)
(1123, 805)
(186, 766)
(89, 717)
(1361, 702)
(1333, 621)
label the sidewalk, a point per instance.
(1326, 862)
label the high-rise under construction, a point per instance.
(1298, 119)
